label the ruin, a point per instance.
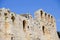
(25, 27)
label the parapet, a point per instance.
(40, 14)
(17, 24)
(4, 10)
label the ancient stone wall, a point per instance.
(25, 27)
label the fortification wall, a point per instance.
(24, 27)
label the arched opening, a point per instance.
(41, 13)
(45, 16)
(43, 28)
(13, 18)
(48, 18)
(24, 24)
(51, 19)
(5, 14)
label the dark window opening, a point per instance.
(41, 13)
(24, 23)
(11, 38)
(5, 14)
(43, 29)
(13, 18)
(45, 15)
(51, 19)
(48, 17)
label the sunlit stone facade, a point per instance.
(25, 27)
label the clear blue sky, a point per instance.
(30, 6)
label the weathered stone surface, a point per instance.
(24, 27)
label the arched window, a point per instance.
(5, 14)
(13, 18)
(41, 13)
(48, 18)
(43, 29)
(24, 24)
(51, 19)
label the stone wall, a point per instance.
(25, 27)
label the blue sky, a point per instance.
(30, 6)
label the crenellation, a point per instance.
(24, 27)
(38, 14)
(48, 18)
(46, 15)
(41, 12)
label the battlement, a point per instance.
(4, 10)
(40, 14)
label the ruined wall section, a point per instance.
(24, 27)
(11, 26)
(48, 25)
(5, 22)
